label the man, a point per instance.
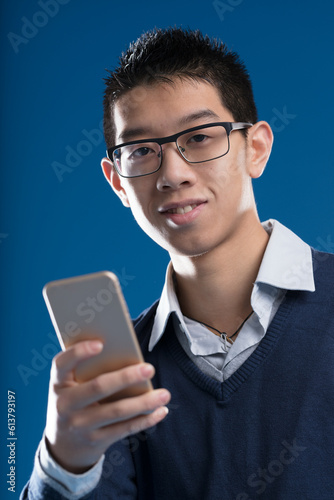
(242, 337)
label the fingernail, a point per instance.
(147, 370)
(162, 412)
(164, 397)
(95, 346)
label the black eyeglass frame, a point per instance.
(228, 126)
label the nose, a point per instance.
(175, 171)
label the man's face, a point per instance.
(218, 195)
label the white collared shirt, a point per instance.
(286, 265)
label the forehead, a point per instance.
(163, 109)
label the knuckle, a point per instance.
(56, 363)
(148, 404)
(78, 350)
(93, 439)
(118, 412)
(128, 376)
(62, 406)
(97, 385)
(136, 426)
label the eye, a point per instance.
(198, 138)
(143, 151)
(139, 152)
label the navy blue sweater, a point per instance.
(267, 432)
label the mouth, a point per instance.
(182, 210)
(182, 207)
(183, 213)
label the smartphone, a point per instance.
(91, 307)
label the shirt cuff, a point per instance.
(76, 484)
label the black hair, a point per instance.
(163, 54)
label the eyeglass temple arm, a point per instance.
(240, 125)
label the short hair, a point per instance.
(163, 54)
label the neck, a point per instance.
(215, 288)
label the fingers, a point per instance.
(77, 449)
(126, 428)
(79, 429)
(98, 416)
(74, 397)
(107, 384)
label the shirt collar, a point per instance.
(286, 264)
(287, 261)
(168, 303)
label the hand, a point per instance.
(79, 428)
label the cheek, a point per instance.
(233, 182)
(143, 213)
(227, 175)
(235, 166)
(139, 197)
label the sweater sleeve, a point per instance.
(117, 481)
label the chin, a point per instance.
(187, 251)
(197, 248)
(186, 245)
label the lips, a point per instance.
(183, 213)
(182, 210)
(182, 207)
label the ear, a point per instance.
(260, 140)
(114, 180)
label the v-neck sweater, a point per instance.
(266, 432)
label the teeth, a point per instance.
(182, 210)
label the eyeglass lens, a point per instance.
(196, 147)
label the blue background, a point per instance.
(53, 227)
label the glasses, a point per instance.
(196, 145)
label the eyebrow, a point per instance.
(133, 133)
